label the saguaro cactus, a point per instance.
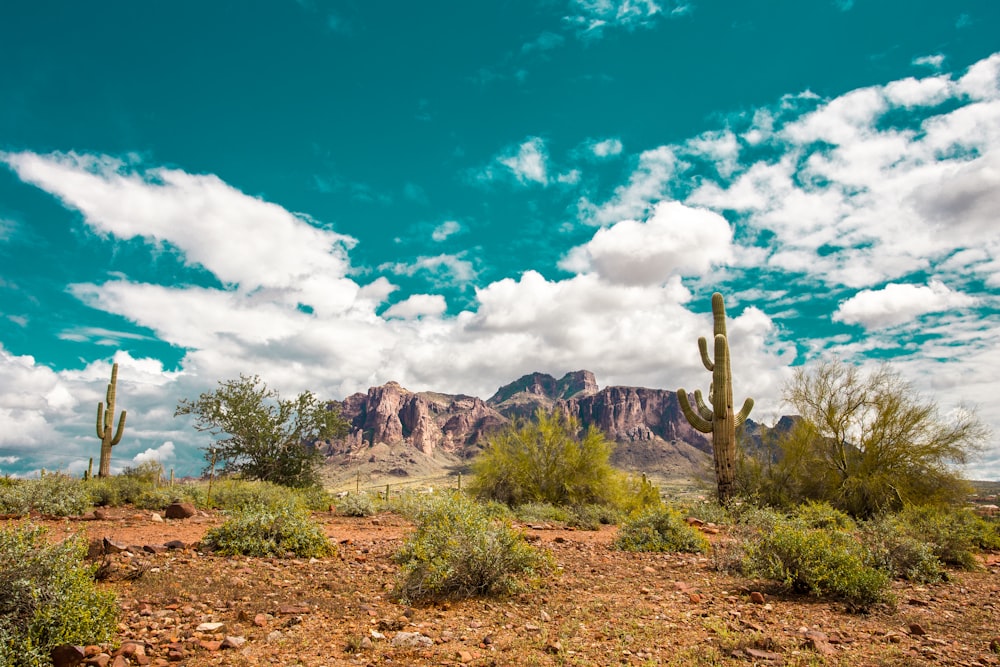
(718, 418)
(105, 421)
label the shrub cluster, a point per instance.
(256, 530)
(48, 597)
(660, 530)
(817, 561)
(54, 494)
(461, 550)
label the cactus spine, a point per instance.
(718, 417)
(105, 421)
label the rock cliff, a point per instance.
(399, 428)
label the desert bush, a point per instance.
(459, 550)
(235, 494)
(541, 513)
(269, 531)
(954, 535)
(585, 517)
(552, 460)
(817, 562)
(55, 494)
(356, 504)
(893, 549)
(819, 514)
(48, 597)
(663, 529)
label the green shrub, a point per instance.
(954, 535)
(541, 513)
(893, 549)
(660, 530)
(269, 531)
(235, 494)
(818, 562)
(459, 550)
(54, 494)
(552, 460)
(48, 597)
(356, 504)
(819, 514)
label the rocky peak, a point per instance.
(547, 387)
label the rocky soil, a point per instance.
(185, 607)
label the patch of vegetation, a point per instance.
(357, 505)
(54, 494)
(894, 550)
(460, 550)
(954, 535)
(818, 562)
(551, 460)
(48, 597)
(661, 530)
(269, 531)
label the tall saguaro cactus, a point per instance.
(105, 421)
(718, 417)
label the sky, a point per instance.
(451, 194)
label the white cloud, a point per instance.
(675, 240)
(164, 452)
(445, 269)
(899, 304)
(605, 148)
(529, 163)
(934, 62)
(446, 229)
(240, 239)
(418, 305)
(647, 185)
(590, 18)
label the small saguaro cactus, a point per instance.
(105, 421)
(718, 417)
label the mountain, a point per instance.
(402, 433)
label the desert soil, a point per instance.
(604, 607)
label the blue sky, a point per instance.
(451, 194)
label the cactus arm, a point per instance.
(696, 420)
(705, 360)
(121, 430)
(742, 415)
(100, 420)
(703, 409)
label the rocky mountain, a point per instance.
(399, 432)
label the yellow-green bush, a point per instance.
(461, 550)
(662, 529)
(269, 531)
(55, 494)
(48, 597)
(819, 562)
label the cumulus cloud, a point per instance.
(418, 305)
(239, 238)
(605, 148)
(164, 452)
(443, 269)
(674, 240)
(647, 185)
(899, 303)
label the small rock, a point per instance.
(101, 515)
(531, 627)
(762, 655)
(211, 627)
(174, 545)
(155, 518)
(411, 640)
(233, 642)
(260, 620)
(757, 597)
(465, 657)
(274, 636)
(180, 511)
(544, 616)
(694, 598)
(917, 629)
(113, 547)
(553, 647)
(367, 643)
(99, 660)
(154, 548)
(210, 645)
(66, 655)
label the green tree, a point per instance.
(868, 443)
(269, 438)
(551, 460)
